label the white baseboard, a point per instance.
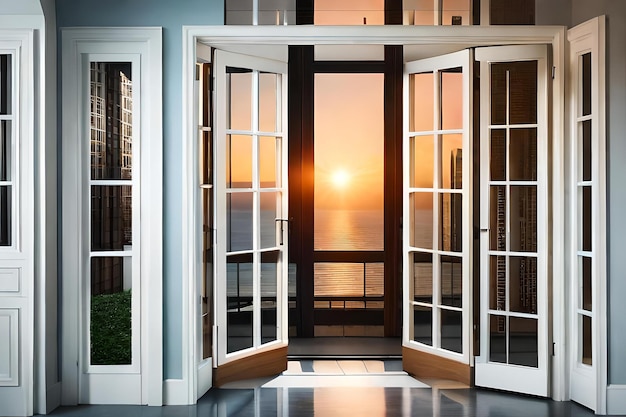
(175, 392)
(616, 399)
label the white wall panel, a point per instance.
(9, 347)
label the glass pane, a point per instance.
(451, 222)
(423, 325)
(422, 277)
(586, 83)
(206, 158)
(239, 84)
(238, 12)
(452, 161)
(111, 128)
(421, 206)
(497, 218)
(523, 92)
(523, 155)
(269, 161)
(497, 161)
(269, 300)
(272, 12)
(587, 339)
(452, 99)
(111, 311)
(238, 161)
(111, 217)
(452, 330)
(499, 90)
(422, 160)
(349, 162)
(374, 279)
(239, 300)
(239, 221)
(586, 219)
(455, 12)
(523, 284)
(587, 152)
(269, 103)
(497, 283)
(586, 277)
(523, 346)
(338, 279)
(349, 12)
(451, 281)
(422, 102)
(6, 84)
(497, 339)
(523, 227)
(514, 87)
(5, 150)
(270, 211)
(5, 215)
(419, 12)
(207, 273)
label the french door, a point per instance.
(514, 220)
(437, 210)
(250, 208)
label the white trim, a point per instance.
(145, 43)
(588, 384)
(615, 399)
(175, 392)
(465, 36)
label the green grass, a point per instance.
(111, 329)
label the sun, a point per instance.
(340, 178)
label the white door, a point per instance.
(250, 206)
(514, 310)
(437, 206)
(16, 223)
(588, 216)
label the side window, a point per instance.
(7, 147)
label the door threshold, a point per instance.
(345, 348)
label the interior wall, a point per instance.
(171, 15)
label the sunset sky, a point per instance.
(349, 134)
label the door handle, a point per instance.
(282, 228)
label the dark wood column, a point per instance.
(301, 181)
(393, 190)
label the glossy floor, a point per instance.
(345, 401)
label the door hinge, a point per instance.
(553, 349)
(553, 72)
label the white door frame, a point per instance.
(249, 38)
(142, 44)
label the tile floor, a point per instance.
(347, 388)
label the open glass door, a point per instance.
(437, 216)
(250, 213)
(514, 220)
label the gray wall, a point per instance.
(171, 15)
